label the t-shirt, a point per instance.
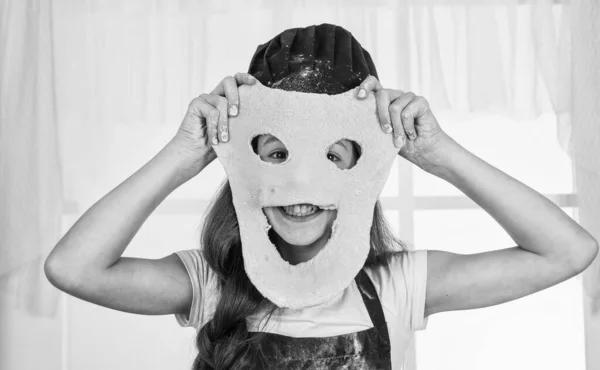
(400, 286)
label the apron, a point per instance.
(367, 349)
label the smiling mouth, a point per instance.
(303, 212)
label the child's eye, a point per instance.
(333, 157)
(279, 154)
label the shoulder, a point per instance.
(402, 266)
(204, 288)
(401, 284)
(197, 267)
(191, 256)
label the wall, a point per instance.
(586, 139)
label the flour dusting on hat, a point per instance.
(327, 51)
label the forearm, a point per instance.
(98, 239)
(534, 222)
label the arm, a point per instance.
(551, 246)
(87, 262)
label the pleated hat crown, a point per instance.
(326, 49)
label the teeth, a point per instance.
(300, 209)
(304, 209)
(329, 208)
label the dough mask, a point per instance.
(307, 124)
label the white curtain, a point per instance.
(120, 65)
(31, 197)
(85, 85)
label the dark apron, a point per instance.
(367, 349)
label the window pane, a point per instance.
(541, 331)
(526, 150)
(393, 219)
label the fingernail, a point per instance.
(215, 141)
(233, 111)
(251, 78)
(224, 136)
(412, 136)
(362, 93)
(387, 128)
(399, 141)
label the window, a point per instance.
(543, 330)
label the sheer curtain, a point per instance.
(31, 198)
(86, 85)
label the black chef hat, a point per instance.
(328, 49)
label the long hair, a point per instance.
(224, 342)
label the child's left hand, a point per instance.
(408, 117)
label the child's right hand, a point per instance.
(206, 124)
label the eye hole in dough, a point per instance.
(269, 148)
(344, 153)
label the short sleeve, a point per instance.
(409, 272)
(203, 285)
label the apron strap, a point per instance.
(373, 304)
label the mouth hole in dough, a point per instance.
(330, 229)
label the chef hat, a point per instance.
(327, 50)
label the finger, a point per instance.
(394, 110)
(240, 78)
(203, 133)
(407, 116)
(213, 116)
(417, 107)
(397, 108)
(200, 112)
(244, 78)
(223, 125)
(382, 99)
(371, 83)
(196, 124)
(230, 87)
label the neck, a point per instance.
(295, 254)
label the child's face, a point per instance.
(303, 224)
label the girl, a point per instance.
(372, 322)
